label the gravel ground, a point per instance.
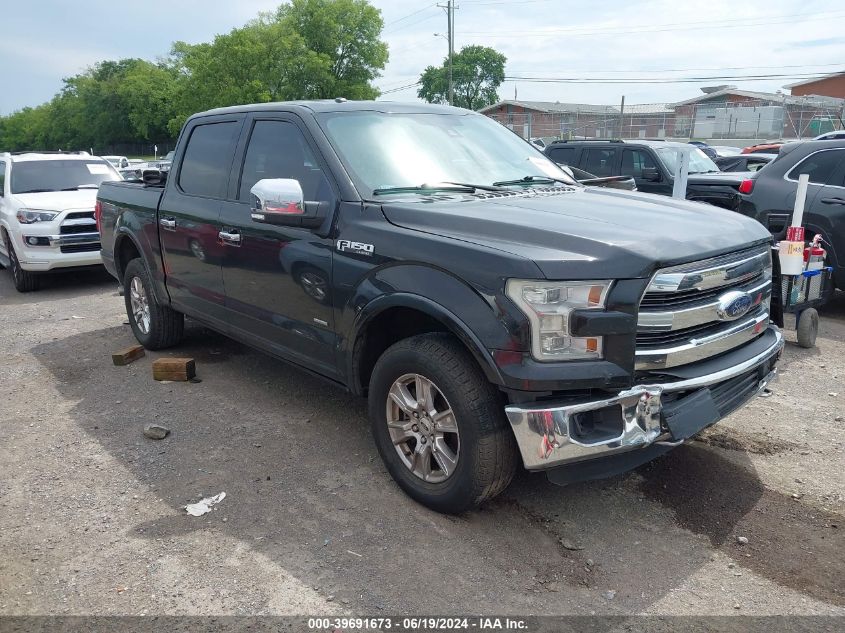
(92, 518)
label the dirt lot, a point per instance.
(92, 518)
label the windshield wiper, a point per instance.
(78, 187)
(35, 191)
(531, 180)
(425, 188)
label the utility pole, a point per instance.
(450, 17)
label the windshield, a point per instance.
(699, 162)
(32, 176)
(390, 151)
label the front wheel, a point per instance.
(439, 425)
(25, 280)
(156, 326)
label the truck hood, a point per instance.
(583, 233)
(58, 200)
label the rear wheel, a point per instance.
(156, 326)
(439, 425)
(25, 280)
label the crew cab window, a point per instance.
(598, 162)
(2, 179)
(634, 161)
(277, 149)
(819, 166)
(563, 155)
(205, 166)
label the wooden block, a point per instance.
(128, 355)
(180, 369)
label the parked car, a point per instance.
(744, 162)
(493, 310)
(118, 162)
(836, 135)
(763, 148)
(652, 165)
(162, 164)
(47, 213)
(726, 150)
(769, 195)
(706, 148)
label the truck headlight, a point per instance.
(31, 216)
(548, 306)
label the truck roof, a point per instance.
(339, 105)
(19, 157)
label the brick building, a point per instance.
(830, 86)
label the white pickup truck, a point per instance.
(47, 213)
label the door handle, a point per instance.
(833, 200)
(168, 223)
(233, 238)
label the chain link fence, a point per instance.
(740, 121)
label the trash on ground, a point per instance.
(179, 369)
(156, 431)
(204, 506)
(128, 355)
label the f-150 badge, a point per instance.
(355, 247)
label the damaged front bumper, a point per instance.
(664, 414)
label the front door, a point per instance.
(189, 217)
(278, 278)
(633, 163)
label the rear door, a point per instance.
(564, 154)
(600, 160)
(278, 278)
(189, 216)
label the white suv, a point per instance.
(47, 213)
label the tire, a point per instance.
(808, 327)
(158, 326)
(483, 444)
(25, 280)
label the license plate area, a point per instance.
(687, 416)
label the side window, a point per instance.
(598, 162)
(277, 149)
(2, 179)
(634, 161)
(820, 166)
(563, 155)
(205, 166)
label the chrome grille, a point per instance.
(683, 315)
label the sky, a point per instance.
(46, 40)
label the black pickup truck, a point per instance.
(493, 310)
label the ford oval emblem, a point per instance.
(733, 305)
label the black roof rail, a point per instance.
(589, 140)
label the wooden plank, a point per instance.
(179, 369)
(128, 355)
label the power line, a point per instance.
(682, 70)
(657, 28)
(401, 88)
(413, 13)
(659, 80)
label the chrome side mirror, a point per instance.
(277, 201)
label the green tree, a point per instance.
(305, 49)
(477, 73)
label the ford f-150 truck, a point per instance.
(492, 310)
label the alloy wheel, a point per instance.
(423, 428)
(140, 305)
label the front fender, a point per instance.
(481, 322)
